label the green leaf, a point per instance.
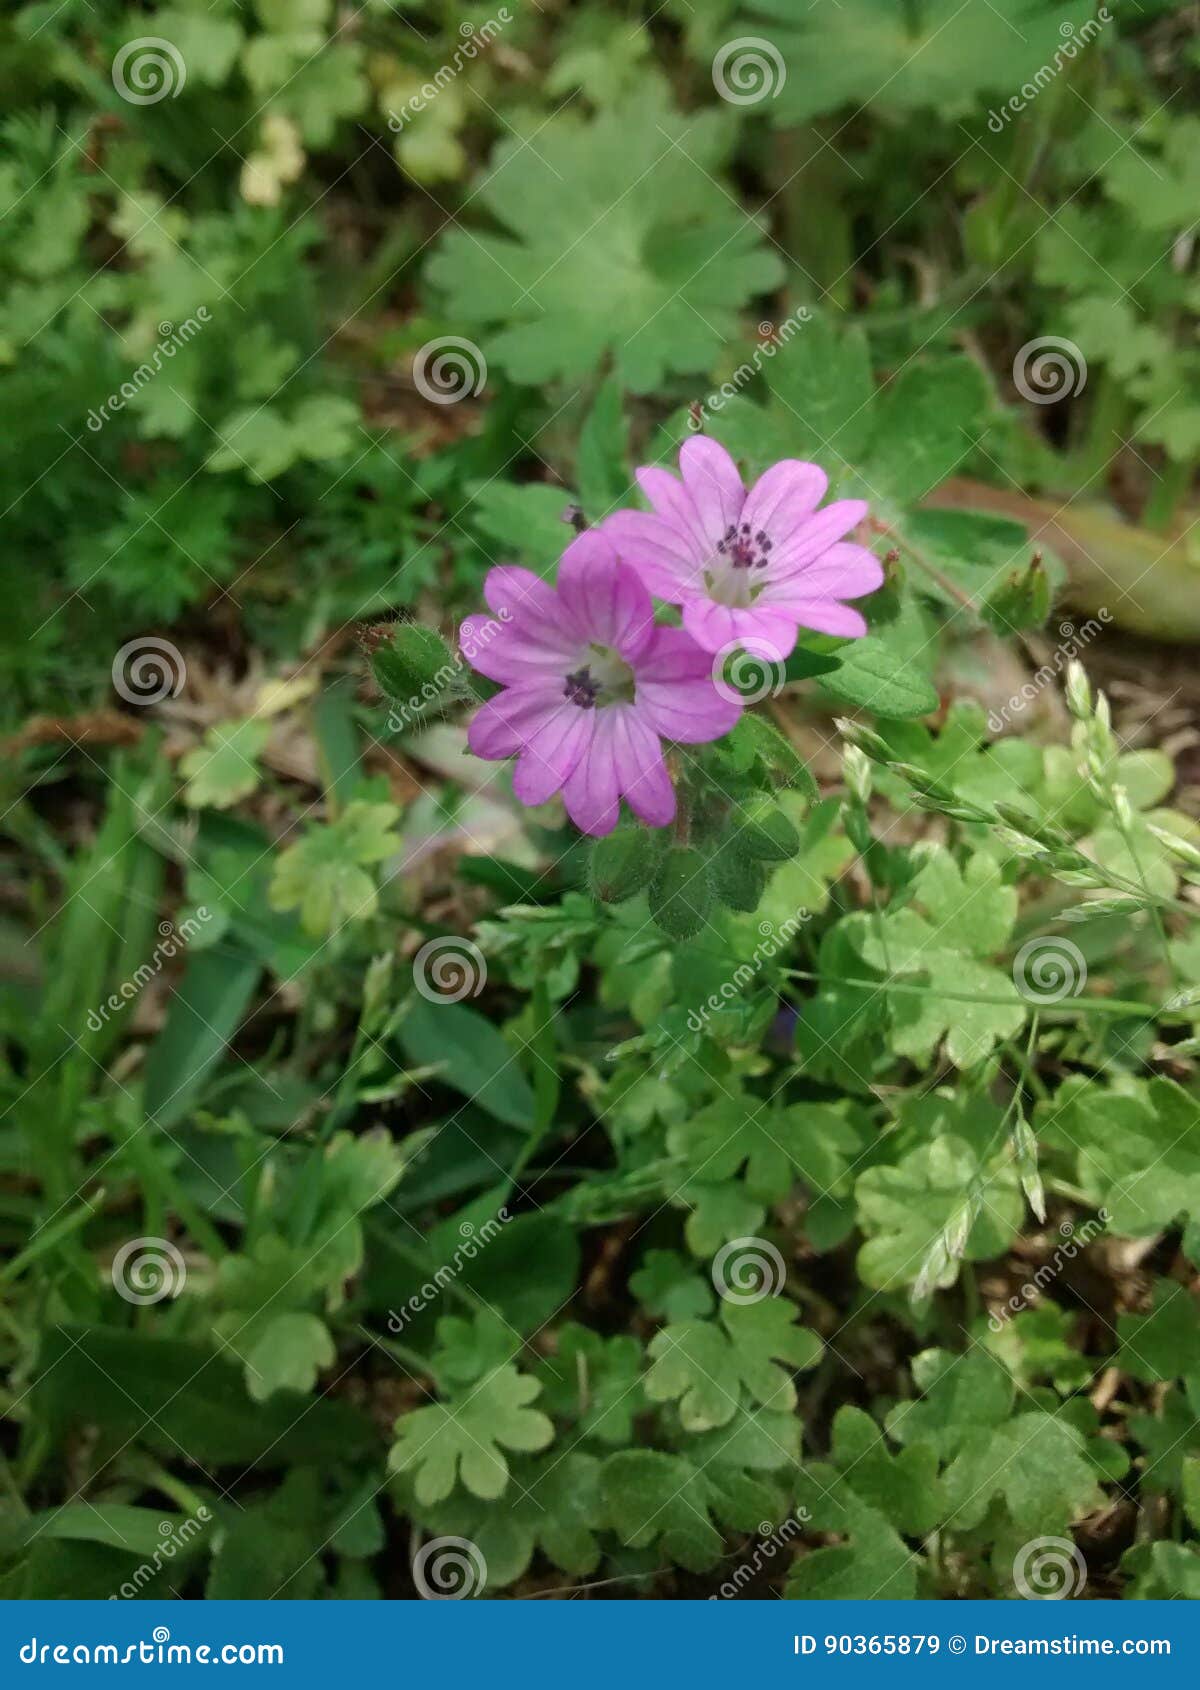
(324, 874)
(1164, 1343)
(205, 1012)
(924, 424)
(905, 1210)
(470, 1055)
(624, 210)
(653, 1497)
(910, 57)
(888, 671)
(288, 1354)
(554, 1504)
(591, 1383)
(448, 1443)
(703, 1365)
(183, 1400)
(223, 768)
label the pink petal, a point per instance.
(671, 501)
(712, 480)
(782, 498)
(501, 727)
(826, 616)
(843, 572)
(676, 693)
(764, 632)
(816, 534)
(641, 772)
(516, 655)
(591, 793)
(551, 754)
(519, 594)
(605, 598)
(659, 552)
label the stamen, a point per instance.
(581, 689)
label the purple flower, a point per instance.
(748, 568)
(591, 687)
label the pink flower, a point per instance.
(591, 687)
(748, 568)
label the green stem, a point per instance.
(1172, 486)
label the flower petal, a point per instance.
(516, 655)
(784, 497)
(518, 594)
(676, 693)
(714, 485)
(502, 726)
(591, 792)
(815, 535)
(826, 616)
(766, 632)
(550, 754)
(605, 598)
(641, 772)
(661, 553)
(843, 572)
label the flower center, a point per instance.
(741, 550)
(602, 678)
(729, 579)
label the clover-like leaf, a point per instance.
(464, 1441)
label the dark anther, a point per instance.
(581, 689)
